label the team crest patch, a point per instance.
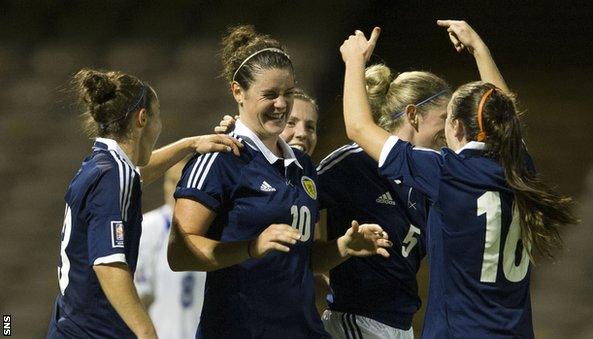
(117, 234)
(309, 186)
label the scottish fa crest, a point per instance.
(309, 186)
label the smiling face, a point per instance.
(301, 130)
(431, 128)
(266, 105)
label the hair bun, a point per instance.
(239, 36)
(378, 79)
(96, 87)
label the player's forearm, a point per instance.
(487, 67)
(326, 255)
(358, 116)
(117, 284)
(164, 158)
(357, 111)
(188, 252)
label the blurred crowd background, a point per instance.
(544, 50)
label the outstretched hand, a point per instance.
(357, 45)
(462, 36)
(364, 240)
(215, 143)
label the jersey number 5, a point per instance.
(301, 220)
(489, 204)
(410, 241)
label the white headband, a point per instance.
(277, 50)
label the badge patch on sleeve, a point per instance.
(117, 234)
(309, 186)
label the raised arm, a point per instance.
(164, 158)
(360, 127)
(464, 37)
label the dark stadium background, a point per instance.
(543, 49)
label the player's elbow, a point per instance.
(179, 262)
(351, 132)
(181, 258)
(178, 257)
(355, 128)
(175, 250)
(173, 260)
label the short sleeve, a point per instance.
(106, 228)
(417, 167)
(204, 179)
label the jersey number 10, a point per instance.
(489, 203)
(301, 220)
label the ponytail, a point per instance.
(542, 210)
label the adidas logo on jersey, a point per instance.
(385, 198)
(267, 187)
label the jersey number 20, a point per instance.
(489, 204)
(301, 220)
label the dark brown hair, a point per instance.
(243, 41)
(541, 209)
(109, 99)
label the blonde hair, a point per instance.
(389, 95)
(299, 93)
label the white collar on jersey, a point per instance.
(289, 157)
(472, 145)
(112, 145)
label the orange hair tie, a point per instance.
(482, 134)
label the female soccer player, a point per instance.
(300, 131)
(413, 107)
(233, 215)
(488, 210)
(374, 297)
(101, 231)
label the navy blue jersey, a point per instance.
(383, 289)
(271, 297)
(102, 224)
(479, 269)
